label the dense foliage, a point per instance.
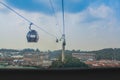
(70, 62)
(109, 54)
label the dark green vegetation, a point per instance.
(108, 54)
(70, 62)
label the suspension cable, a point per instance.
(63, 17)
(57, 23)
(26, 19)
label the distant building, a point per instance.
(17, 57)
(84, 56)
(46, 63)
(35, 59)
(1, 54)
(54, 59)
(14, 53)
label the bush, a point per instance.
(70, 62)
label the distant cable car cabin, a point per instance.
(57, 40)
(32, 35)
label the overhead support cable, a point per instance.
(63, 17)
(27, 19)
(54, 13)
(15, 12)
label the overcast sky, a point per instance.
(90, 24)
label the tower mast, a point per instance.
(63, 36)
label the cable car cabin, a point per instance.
(32, 36)
(57, 40)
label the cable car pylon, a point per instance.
(63, 36)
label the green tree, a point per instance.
(70, 62)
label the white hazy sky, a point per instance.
(96, 26)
